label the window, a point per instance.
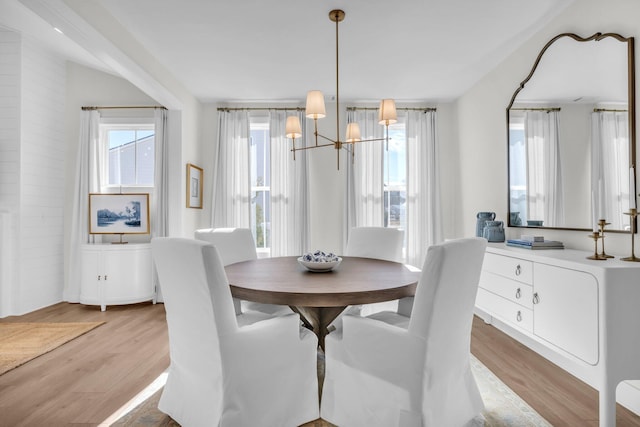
(395, 178)
(131, 153)
(260, 172)
(517, 165)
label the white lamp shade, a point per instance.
(387, 112)
(292, 127)
(315, 105)
(353, 132)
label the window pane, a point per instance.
(145, 157)
(260, 183)
(131, 155)
(119, 138)
(260, 158)
(395, 178)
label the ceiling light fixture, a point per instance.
(315, 110)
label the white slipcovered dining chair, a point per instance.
(237, 245)
(374, 242)
(390, 370)
(228, 369)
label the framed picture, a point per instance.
(119, 213)
(194, 186)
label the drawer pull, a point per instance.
(99, 277)
(518, 294)
(518, 270)
(519, 316)
(536, 298)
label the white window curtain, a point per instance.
(231, 192)
(545, 196)
(289, 188)
(365, 191)
(610, 165)
(365, 205)
(424, 216)
(160, 203)
(89, 170)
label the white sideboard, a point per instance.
(581, 314)
(116, 274)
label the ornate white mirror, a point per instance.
(571, 133)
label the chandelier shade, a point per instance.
(387, 114)
(353, 133)
(315, 105)
(292, 127)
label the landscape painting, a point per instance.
(119, 213)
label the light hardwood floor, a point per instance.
(83, 382)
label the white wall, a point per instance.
(42, 173)
(482, 119)
(32, 180)
(11, 54)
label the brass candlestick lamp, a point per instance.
(596, 256)
(602, 223)
(633, 213)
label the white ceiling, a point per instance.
(256, 50)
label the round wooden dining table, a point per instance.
(319, 297)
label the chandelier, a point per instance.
(315, 110)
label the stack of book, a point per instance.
(534, 242)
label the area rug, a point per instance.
(22, 342)
(503, 407)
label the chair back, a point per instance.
(234, 244)
(375, 242)
(445, 297)
(197, 301)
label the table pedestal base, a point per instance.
(318, 319)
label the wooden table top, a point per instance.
(284, 281)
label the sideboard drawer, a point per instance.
(517, 292)
(512, 268)
(505, 310)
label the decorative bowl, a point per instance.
(320, 266)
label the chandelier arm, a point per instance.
(334, 142)
(366, 140)
(314, 146)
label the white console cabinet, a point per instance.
(581, 314)
(116, 274)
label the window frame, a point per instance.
(123, 123)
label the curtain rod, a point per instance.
(261, 109)
(124, 107)
(537, 109)
(425, 109)
(599, 110)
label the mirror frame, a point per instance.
(631, 91)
